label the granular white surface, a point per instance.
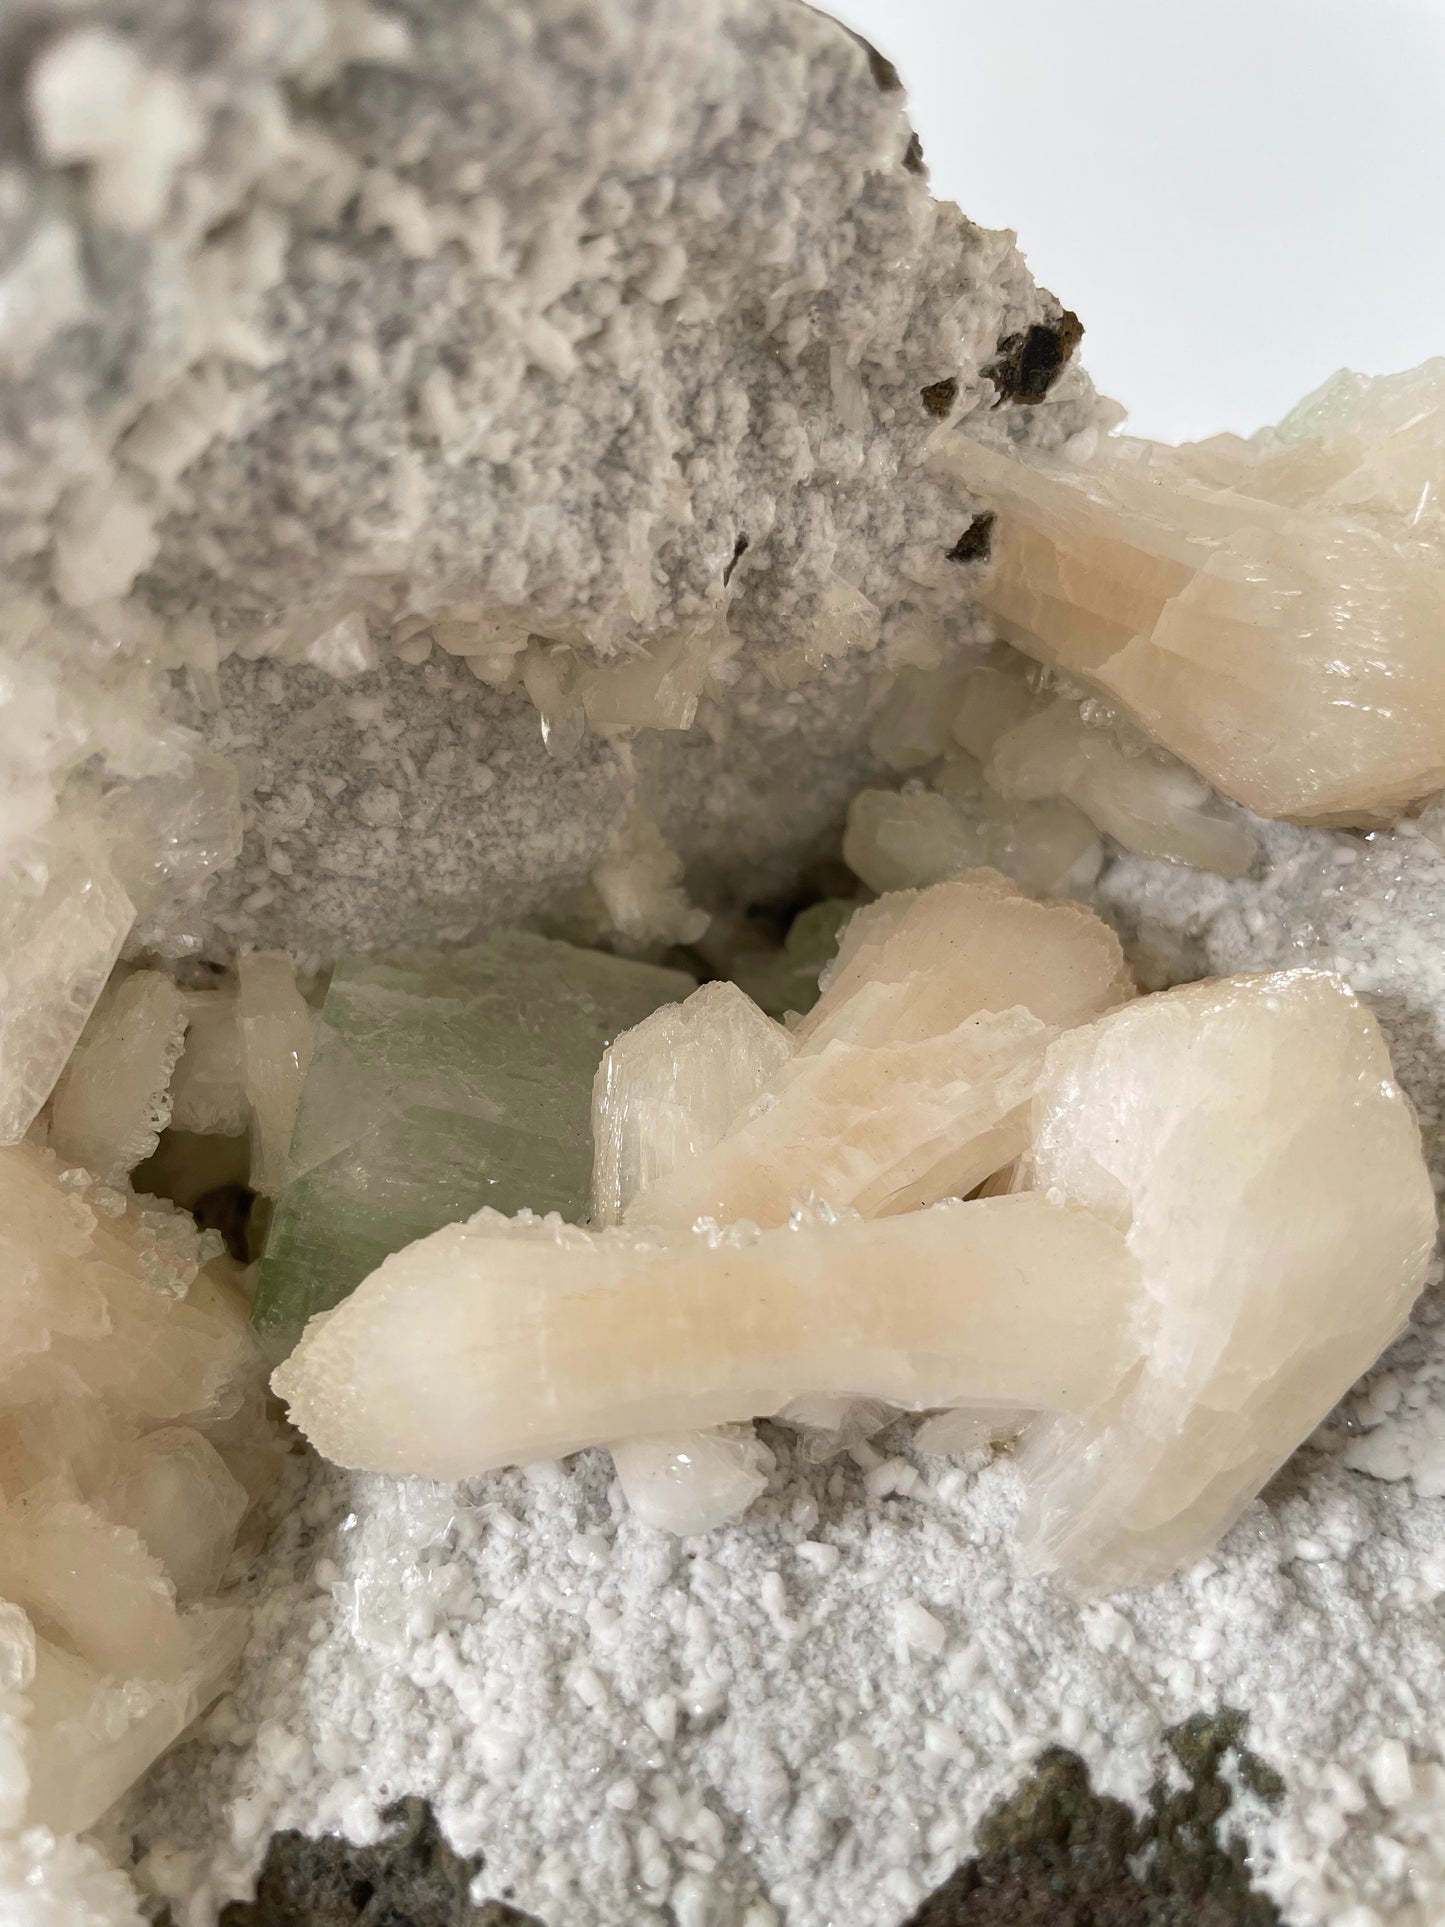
(801, 1718)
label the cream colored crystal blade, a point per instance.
(502, 1341)
(916, 963)
(1149, 803)
(1249, 1139)
(108, 1333)
(872, 1128)
(60, 934)
(208, 1089)
(669, 1088)
(277, 1039)
(910, 841)
(1271, 619)
(91, 1737)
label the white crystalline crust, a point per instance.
(50, 1882)
(133, 1440)
(1269, 610)
(659, 558)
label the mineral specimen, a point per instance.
(208, 1087)
(671, 1086)
(900, 1093)
(113, 1099)
(690, 1482)
(917, 963)
(64, 921)
(505, 1340)
(439, 1084)
(704, 1111)
(133, 1438)
(276, 1043)
(875, 1128)
(1243, 1140)
(1023, 778)
(1248, 1139)
(1266, 609)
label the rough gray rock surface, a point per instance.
(529, 302)
(614, 318)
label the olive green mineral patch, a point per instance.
(1057, 1854)
(442, 1081)
(411, 1878)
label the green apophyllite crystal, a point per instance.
(442, 1083)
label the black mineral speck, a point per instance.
(976, 541)
(1027, 364)
(740, 549)
(913, 156)
(939, 396)
(409, 1879)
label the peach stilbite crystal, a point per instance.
(133, 1437)
(500, 1341)
(1268, 610)
(1222, 1218)
(918, 962)
(873, 1128)
(666, 1090)
(1248, 1139)
(906, 1091)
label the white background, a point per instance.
(1237, 196)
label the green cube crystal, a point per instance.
(441, 1083)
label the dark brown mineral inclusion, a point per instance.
(1027, 364)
